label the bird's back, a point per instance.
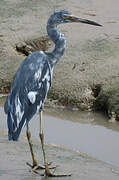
(29, 89)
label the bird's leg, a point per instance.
(35, 164)
(47, 170)
(28, 134)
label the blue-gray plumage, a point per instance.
(32, 81)
(29, 89)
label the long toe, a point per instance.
(38, 167)
(48, 173)
(57, 175)
(35, 167)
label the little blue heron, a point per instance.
(32, 82)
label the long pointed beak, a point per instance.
(72, 18)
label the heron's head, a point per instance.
(63, 16)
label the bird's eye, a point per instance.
(64, 16)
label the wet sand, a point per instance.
(79, 130)
(14, 155)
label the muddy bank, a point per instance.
(16, 154)
(91, 57)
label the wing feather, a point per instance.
(29, 88)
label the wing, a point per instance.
(29, 89)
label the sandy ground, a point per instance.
(14, 155)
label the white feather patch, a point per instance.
(19, 111)
(32, 96)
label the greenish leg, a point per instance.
(35, 165)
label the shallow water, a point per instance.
(87, 132)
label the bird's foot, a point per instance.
(35, 166)
(48, 173)
(39, 167)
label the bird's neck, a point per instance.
(59, 41)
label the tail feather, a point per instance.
(13, 131)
